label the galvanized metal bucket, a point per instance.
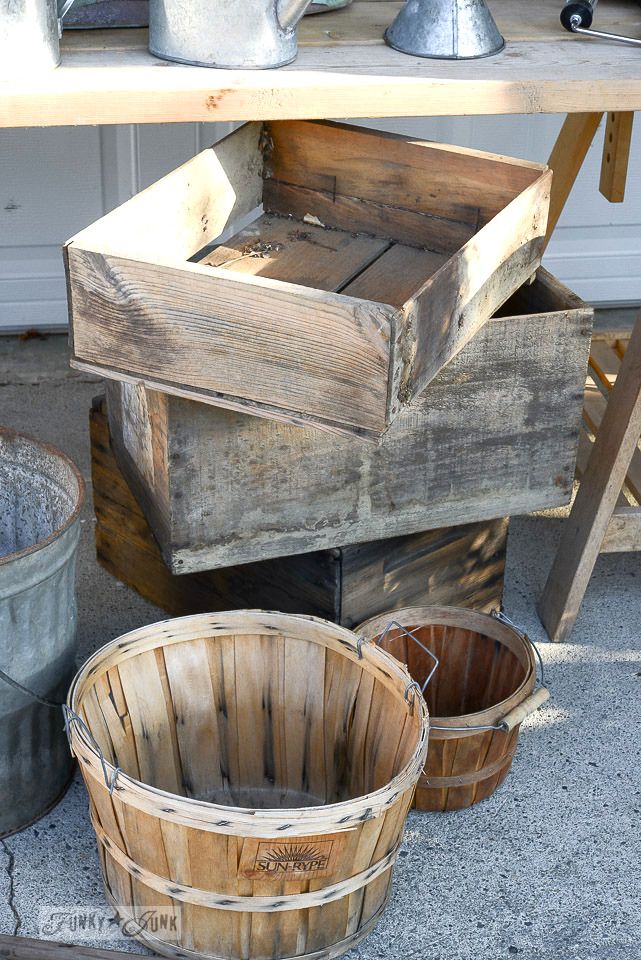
(41, 493)
(30, 34)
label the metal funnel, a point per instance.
(445, 29)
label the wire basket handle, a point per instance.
(394, 624)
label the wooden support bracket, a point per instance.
(616, 154)
(566, 160)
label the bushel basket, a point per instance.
(249, 774)
(478, 695)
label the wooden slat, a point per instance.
(455, 184)
(343, 69)
(396, 275)
(330, 367)
(282, 248)
(455, 303)
(189, 207)
(616, 155)
(566, 160)
(585, 529)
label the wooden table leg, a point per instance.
(566, 159)
(599, 489)
(616, 154)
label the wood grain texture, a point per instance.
(172, 219)
(605, 473)
(256, 687)
(486, 671)
(259, 324)
(217, 338)
(282, 248)
(343, 69)
(463, 565)
(623, 533)
(569, 152)
(616, 154)
(495, 433)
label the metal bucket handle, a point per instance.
(62, 12)
(29, 693)
(69, 717)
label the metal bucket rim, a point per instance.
(375, 801)
(9, 434)
(494, 629)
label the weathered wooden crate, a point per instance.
(494, 434)
(457, 565)
(298, 316)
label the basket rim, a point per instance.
(479, 621)
(289, 821)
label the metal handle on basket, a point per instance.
(408, 633)
(72, 717)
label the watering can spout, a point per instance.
(290, 12)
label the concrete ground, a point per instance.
(548, 869)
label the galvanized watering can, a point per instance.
(234, 34)
(30, 32)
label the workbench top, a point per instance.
(344, 69)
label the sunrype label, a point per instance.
(297, 858)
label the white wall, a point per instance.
(53, 182)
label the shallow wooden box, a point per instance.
(494, 434)
(297, 316)
(461, 566)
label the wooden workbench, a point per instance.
(343, 70)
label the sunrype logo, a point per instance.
(293, 858)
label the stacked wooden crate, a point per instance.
(326, 376)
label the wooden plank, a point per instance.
(396, 275)
(28, 948)
(566, 160)
(471, 448)
(394, 223)
(341, 70)
(181, 328)
(456, 302)
(623, 533)
(452, 183)
(186, 209)
(283, 248)
(588, 521)
(616, 155)
(460, 566)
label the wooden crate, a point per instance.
(624, 529)
(300, 317)
(460, 565)
(495, 434)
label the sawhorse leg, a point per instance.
(598, 492)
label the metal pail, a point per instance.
(41, 493)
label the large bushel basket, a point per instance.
(478, 695)
(249, 776)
